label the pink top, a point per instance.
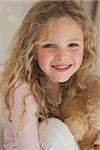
(29, 139)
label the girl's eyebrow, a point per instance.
(53, 42)
(46, 41)
(76, 40)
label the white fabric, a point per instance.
(55, 135)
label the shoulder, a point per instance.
(91, 95)
(93, 84)
(93, 90)
(23, 95)
(21, 86)
(93, 102)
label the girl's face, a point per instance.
(61, 56)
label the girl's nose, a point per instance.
(62, 55)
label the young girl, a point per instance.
(49, 66)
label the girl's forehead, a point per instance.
(50, 27)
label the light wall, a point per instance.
(11, 14)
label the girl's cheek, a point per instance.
(79, 51)
(43, 56)
(78, 55)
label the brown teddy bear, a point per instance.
(82, 115)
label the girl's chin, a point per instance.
(58, 79)
(61, 80)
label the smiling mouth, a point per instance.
(61, 67)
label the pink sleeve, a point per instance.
(28, 139)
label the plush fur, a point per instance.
(82, 115)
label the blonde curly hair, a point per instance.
(23, 65)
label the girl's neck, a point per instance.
(54, 87)
(54, 91)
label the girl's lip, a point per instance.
(61, 68)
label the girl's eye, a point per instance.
(49, 46)
(73, 45)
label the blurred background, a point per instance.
(12, 12)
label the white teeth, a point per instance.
(61, 67)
